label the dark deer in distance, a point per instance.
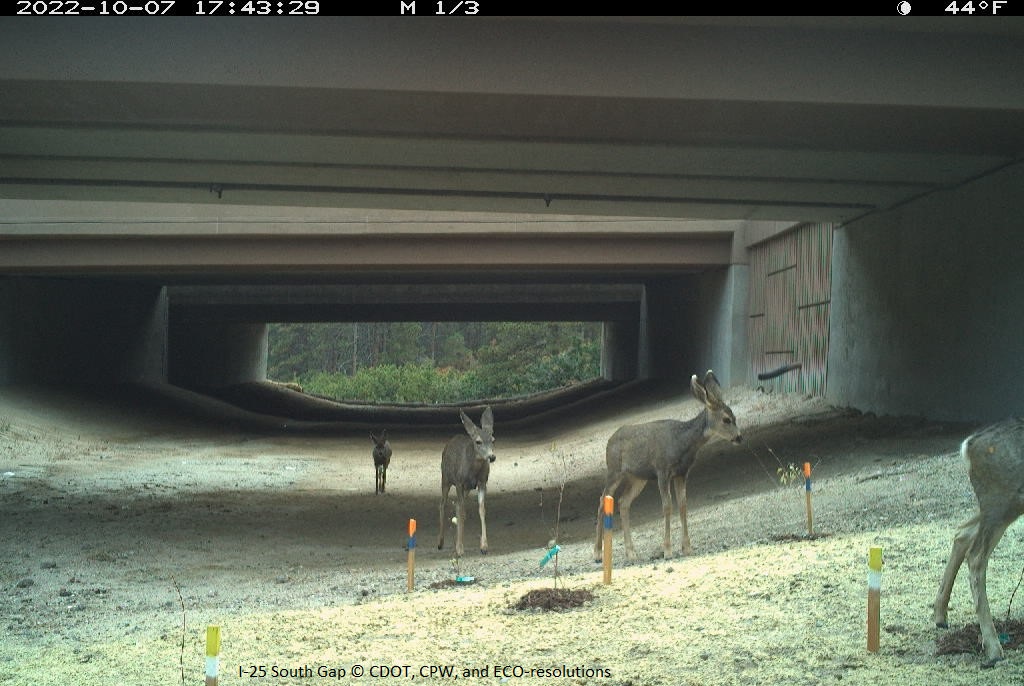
(995, 457)
(466, 464)
(664, 450)
(381, 458)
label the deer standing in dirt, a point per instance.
(664, 450)
(381, 458)
(995, 456)
(466, 464)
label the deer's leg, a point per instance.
(680, 485)
(984, 543)
(961, 542)
(633, 488)
(481, 492)
(383, 478)
(445, 488)
(460, 519)
(611, 485)
(665, 488)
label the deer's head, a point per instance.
(380, 440)
(483, 435)
(721, 420)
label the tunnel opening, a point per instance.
(432, 363)
(379, 354)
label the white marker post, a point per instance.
(874, 596)
(212, 654)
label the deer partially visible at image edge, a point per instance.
(995, 458)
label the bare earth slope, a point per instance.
(110, 509)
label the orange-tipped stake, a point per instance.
(874, 596)
(411, 547)
(212, 654)
(810, 508)
(606, 546)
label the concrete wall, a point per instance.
(721, 337)
(212, 355)
(75, 331)
(698, 323)
(928, 305)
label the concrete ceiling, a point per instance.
(777, 119)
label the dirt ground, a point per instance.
(124, 532)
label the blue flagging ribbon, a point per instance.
(551, 553)
(412, 542)
(607, 521)
(807, 484)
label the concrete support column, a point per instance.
(723, 304)
(619, 350)
(217, 354)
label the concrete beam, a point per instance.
(407, 302)
(253, 257)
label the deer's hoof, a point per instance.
(991, 662)
(942, 625)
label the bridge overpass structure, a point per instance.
(168, 185)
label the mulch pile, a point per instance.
(553, 599)
(968, 639)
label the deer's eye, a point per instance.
(479, 441)
(727, 420)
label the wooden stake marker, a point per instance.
(874, 596)
(212, 654)
(606, 545)
(411, 547)
(810, 507)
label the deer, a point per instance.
(381, 459)
(465, 464)
(665, 450)
(995, 458)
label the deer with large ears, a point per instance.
(995, 457)
(664, 450)
(466, 464)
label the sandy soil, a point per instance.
(125, 532)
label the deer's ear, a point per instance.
(713, 388)
(487, 420)
(710, 378)
(699, 392)
(468, 423)
(372, 437)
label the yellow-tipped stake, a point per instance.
(810, 508)
(212, 654)
(874, 596)
(411, 547)
(606, 546)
